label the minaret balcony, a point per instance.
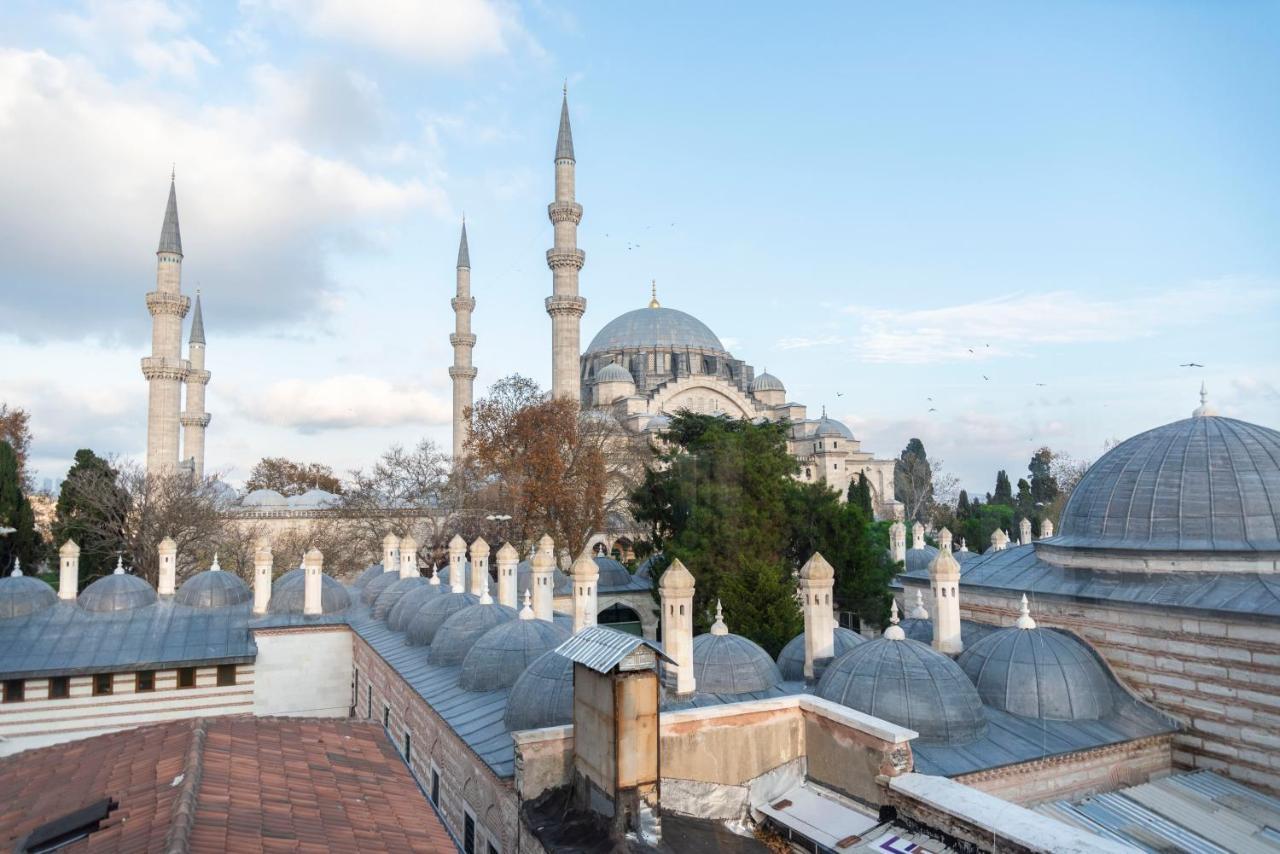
(161, 368)
(566, 305)
(161, 302)
(561, 258)
(458, 373)
(464, 339)
(467, 304)
(565, 212)
(194, 377)
(195, 419)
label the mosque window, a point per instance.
(493, 849)
(226, 674)
(469, 834)
(144, 681)
(408, 747)
(102, 684)
(369, 713)
(59, 687)
(186, 677)
(435, 787)
(14, 690)
(386, 715)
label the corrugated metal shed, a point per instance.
(602, 648)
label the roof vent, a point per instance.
(70, 828)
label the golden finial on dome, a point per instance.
(653, 291)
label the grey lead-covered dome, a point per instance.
(457, 634)
(767, 382)
(290, 597)
(409, 604)
(446, 582)
(1201, 484)
(918, 560)
(614, 373)
(370, 592)
(422, 629)
(910, 684)
(393, 593)
(21, 595)
(370, 573)
(655, 329)
(1038, 673)
(732, 664)
(561, 584)
(613, 575)
(543, 695)
(117, 592)
(503, 653)
(791, 659)
(213, 588)
(830, 427)
(922, 630)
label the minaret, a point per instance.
(463, 373)
(195, 419)
(565, 260)
(165, 368)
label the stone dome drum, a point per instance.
(117, 592)
(21, 595)
(543, 695)
(422, 629)
(457, 634)
(732, 664)
(1202, 484)
(500, 657)
(1038, 673)
(791, 659)
(910, 684)
(213, 588)
(655, 329)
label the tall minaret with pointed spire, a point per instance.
(194, 418)
(165, 368)
(463, 373)
(565, 260)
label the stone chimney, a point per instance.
(1024, 532)
(457, 564)
(675, 594)
(586, 576)
(479, 567)
(898, 542)
(390, 552)
(543, 577)
(944, 577)
(999, 540)
(409, 557)
(69, 571)
(313, 567)
(1046, 529)
(917, 536)
(944, 539)
(168, 578)
(262, 568)
(508, 561)
(817, 580)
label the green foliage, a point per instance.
(89, 507)
(860, 494)
(1023, 501)
(1004, 490)
(15, 512)
(982, 522)
(962, 506)
(1044, 486)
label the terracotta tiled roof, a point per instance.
(234, 783)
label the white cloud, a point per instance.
(343, 402)
(803, 342)
(1014, 323)
(151, 33)
(442, 32)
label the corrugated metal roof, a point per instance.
(602, 648)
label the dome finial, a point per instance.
(1204, 409)
(526, 613)
(894, 632)
(919, 612)
(718, 627)
(485, 598)
(653, 294)
(1024, 620)
(214, 567)
(119, 564)
(17, 567)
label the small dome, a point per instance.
(614, 373)
(767, 382)
(431, 616)
(918, 560)
(731, 664)
(393, 593)
(21, 595)
(293, 576)
(910, 684)
(645, 568)
(313, 499)
(503, 653)
(657, 423)
(922, 630)
(1200, 484)
(290, 597)
(264, 498)
(1038, 673)
(407, 607)
(459, 633)
(444, 572)
(117, 592)
(561, 584)
(371, 591)
(370, 573)
(791, 659)
(613, 575)
(655, 329)
(543, 694)
(825, 427)
(213, 588)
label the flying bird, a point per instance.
(1040, 384)
(1191, 365)
(970, 349)
(839, 394)
(931, 409)
(985, 377)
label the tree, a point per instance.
(15, 428)
(913, 481)
(288, 477)
(1004, 490)
(15, 512)
(860, 495)
(962, 506)
(403, 485)
(1044, 486)
(1024, 501)
(90, 508)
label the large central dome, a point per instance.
(655, 329)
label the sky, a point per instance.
(992, 226)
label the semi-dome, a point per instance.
(614, 373)
(393, 593)
(290, 597)
(119, 591)
(21, 595)
(613, 575)
(725, 663)
(264, 498)
(409, 604)
(655, 329)
(431, 616)
(1038, 673)
(543, 695)
(910, 684)
(505, 652)
(213, 588)
(767, 382)
(561, 584)
(373, 589)
(1205, 483)
(791, 659)
(457, 634)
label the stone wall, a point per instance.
(467, 784)
(303, 671)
